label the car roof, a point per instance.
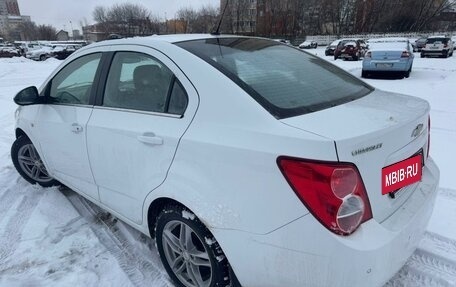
(441, 36)
(175, 38)
(350, 39)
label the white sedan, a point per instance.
(250, 162)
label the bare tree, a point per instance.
(46, 32)
(28, 30)
(188, 16)
(126, 19)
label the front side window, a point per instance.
(285, 81)
(73, 84)
(138, 81)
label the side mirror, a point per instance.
(28, 96)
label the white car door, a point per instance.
(147, 105)
(62, 122)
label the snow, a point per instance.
(52, 237)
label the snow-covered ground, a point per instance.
(51, 237)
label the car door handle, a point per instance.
(76, 128)
(150, 139)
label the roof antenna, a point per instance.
(217, 31)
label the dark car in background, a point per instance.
(8, 52)
(353, 49)
(420, 43)
(329, 51)
(62, 52)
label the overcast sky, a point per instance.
(59, 13)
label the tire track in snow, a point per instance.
(7, 200)
(448, 193)
(432, 264)
(11, 237)
(137, 266)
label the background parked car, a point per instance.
(440, 46)
(8, 52)
(284, 41)
(388, 55)
(331, 48)
(61, 52)
(308, 45)
(420, 43)
(350, 49)
(39, 53)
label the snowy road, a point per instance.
(51, 237)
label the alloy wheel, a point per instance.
(32, 165)
(186, 254)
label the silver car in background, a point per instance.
(440, 46)
(388, 55)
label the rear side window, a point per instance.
(138, 81)
(285, 81)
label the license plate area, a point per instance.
(384, 65)
(402, 174)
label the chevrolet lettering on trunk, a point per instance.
(366, 149)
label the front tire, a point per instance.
(189, 252)
(28, 163)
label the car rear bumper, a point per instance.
(386, 66)
(303, 253)
(347, 56)
(434, 52)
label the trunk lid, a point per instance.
(387, 54)
(373, 132)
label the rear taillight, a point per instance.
(333, 192)
(429, 137)
(405, 54)
(368, 55)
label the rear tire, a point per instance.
(422, 55)
(188, 251)
(364, 74)
(28, 163)
(42, 57)
(407, 74)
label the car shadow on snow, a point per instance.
(386, 76)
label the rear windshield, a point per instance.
(285, 81)
(437, 41)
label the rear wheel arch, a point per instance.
(165, 205)
(20, 133)
(156, 207)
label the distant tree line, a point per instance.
(126, 20)
(136, 20)
(29, 31)
(307, 17)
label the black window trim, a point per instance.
(104, 73)
(278, 113)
